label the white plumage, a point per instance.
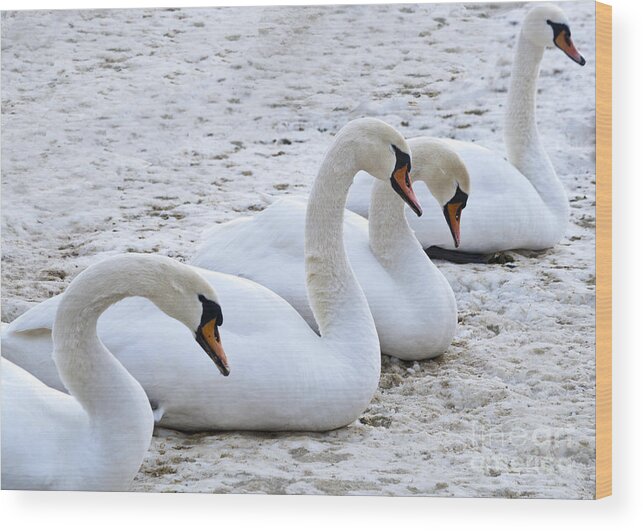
(283, 375)
(96, 437)
(413, 305)
(517, 203)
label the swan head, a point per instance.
(187, 297)
(447, 178)
(547, 26)
(380, 150)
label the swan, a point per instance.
(286, 377)
(519, 203)
(412, 304)
(96, 437)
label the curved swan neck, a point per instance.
(336, 299)
(89, 371)
(521, 131)
(389, 233)
(522, 139)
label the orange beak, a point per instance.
(452, 212)
(208, 337)
(565, 43)
(401, 183)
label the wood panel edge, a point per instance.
(603, 486)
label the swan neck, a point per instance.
(389, 232)
(522, 138)
(336, 299)
(521, 132)
(88, 370)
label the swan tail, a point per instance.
(157, 410)
(39, 317)
(267, 198)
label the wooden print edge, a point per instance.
(603, 250)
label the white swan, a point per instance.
(520, 203)
(285, 377)
(96, 438)
(412, 303)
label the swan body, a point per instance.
(96, 437)
(272, 352)
(412, 304)
(519, 203)
(285, 376)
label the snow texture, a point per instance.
(135, 130)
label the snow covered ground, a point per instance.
(135, 130)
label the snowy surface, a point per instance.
(135, 130)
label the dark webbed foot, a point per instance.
(460, 257)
